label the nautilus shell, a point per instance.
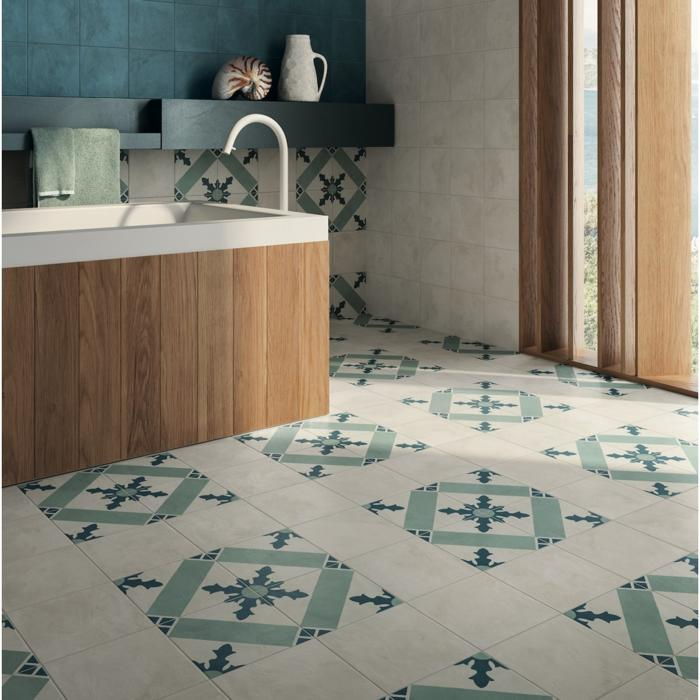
(246, 74)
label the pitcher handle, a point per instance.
(325, 72)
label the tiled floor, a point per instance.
(466, 523)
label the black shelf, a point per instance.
(199, 124)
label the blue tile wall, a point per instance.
(170, 48)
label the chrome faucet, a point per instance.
(281, 142)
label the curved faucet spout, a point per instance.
(281, 142)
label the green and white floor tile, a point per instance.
(234, 605)
(451, 582)
(485, 407)
(377, 365)
(482, 351)
(645, 616)
(477, 676)
(23, 677)
(586, 379)
(485, 518)
(327, 445)
(102, 500)
(658, 464)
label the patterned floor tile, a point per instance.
(481, 351)
(268, 593)
(328, 445)
(98, 501)
(645, 615)
(23, 676)
(377, 365)
(477, 676)
(661, 465)
(486, 406)
(586, 379)
(484, 518)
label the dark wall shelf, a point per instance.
(199, 124)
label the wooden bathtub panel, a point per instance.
(250, 339)
(56, 387)
(178, 330)
(100, 362)
(17, 375)
(140, 356)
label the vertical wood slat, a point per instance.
(284, 321)
(140, 350)
(56, 377)
(610, 142)
(250, 339)
(215, 338)
(552, 172)
(178, 367)
(576, 220)
(18, 375)
(528, 267)
(629, 189)
(100, 362)
(314, 352)
(663, 187)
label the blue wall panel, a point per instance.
(170, 48)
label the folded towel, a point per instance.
(54, 162)
(96, 170)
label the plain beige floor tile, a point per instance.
(657, 684)
(309, 671)
(211, 456)
(542, 472)
(34, 579)
(411, 568)
(300, 503)
(351, 533)
(429, 466)
(569, 661)
(142, 666)
(203, 691)
(621, 549)
(397, 647)
(605, 496)
(365, 484)
(557, 578)
(224, 525)
(688, 498)
(668, 521)
(78, 621)
(138, 549)
(483, 610)
(29, 536)
(15, 505)
(256, 477)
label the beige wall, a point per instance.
(442, 239)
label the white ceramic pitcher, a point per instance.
(298, 79)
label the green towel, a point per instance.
(96, 170)
(54, 162)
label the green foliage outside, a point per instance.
(590, 270)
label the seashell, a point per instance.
(246, 74)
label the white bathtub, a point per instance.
(75, 234)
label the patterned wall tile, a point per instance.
(331, 182)
(346, 299)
